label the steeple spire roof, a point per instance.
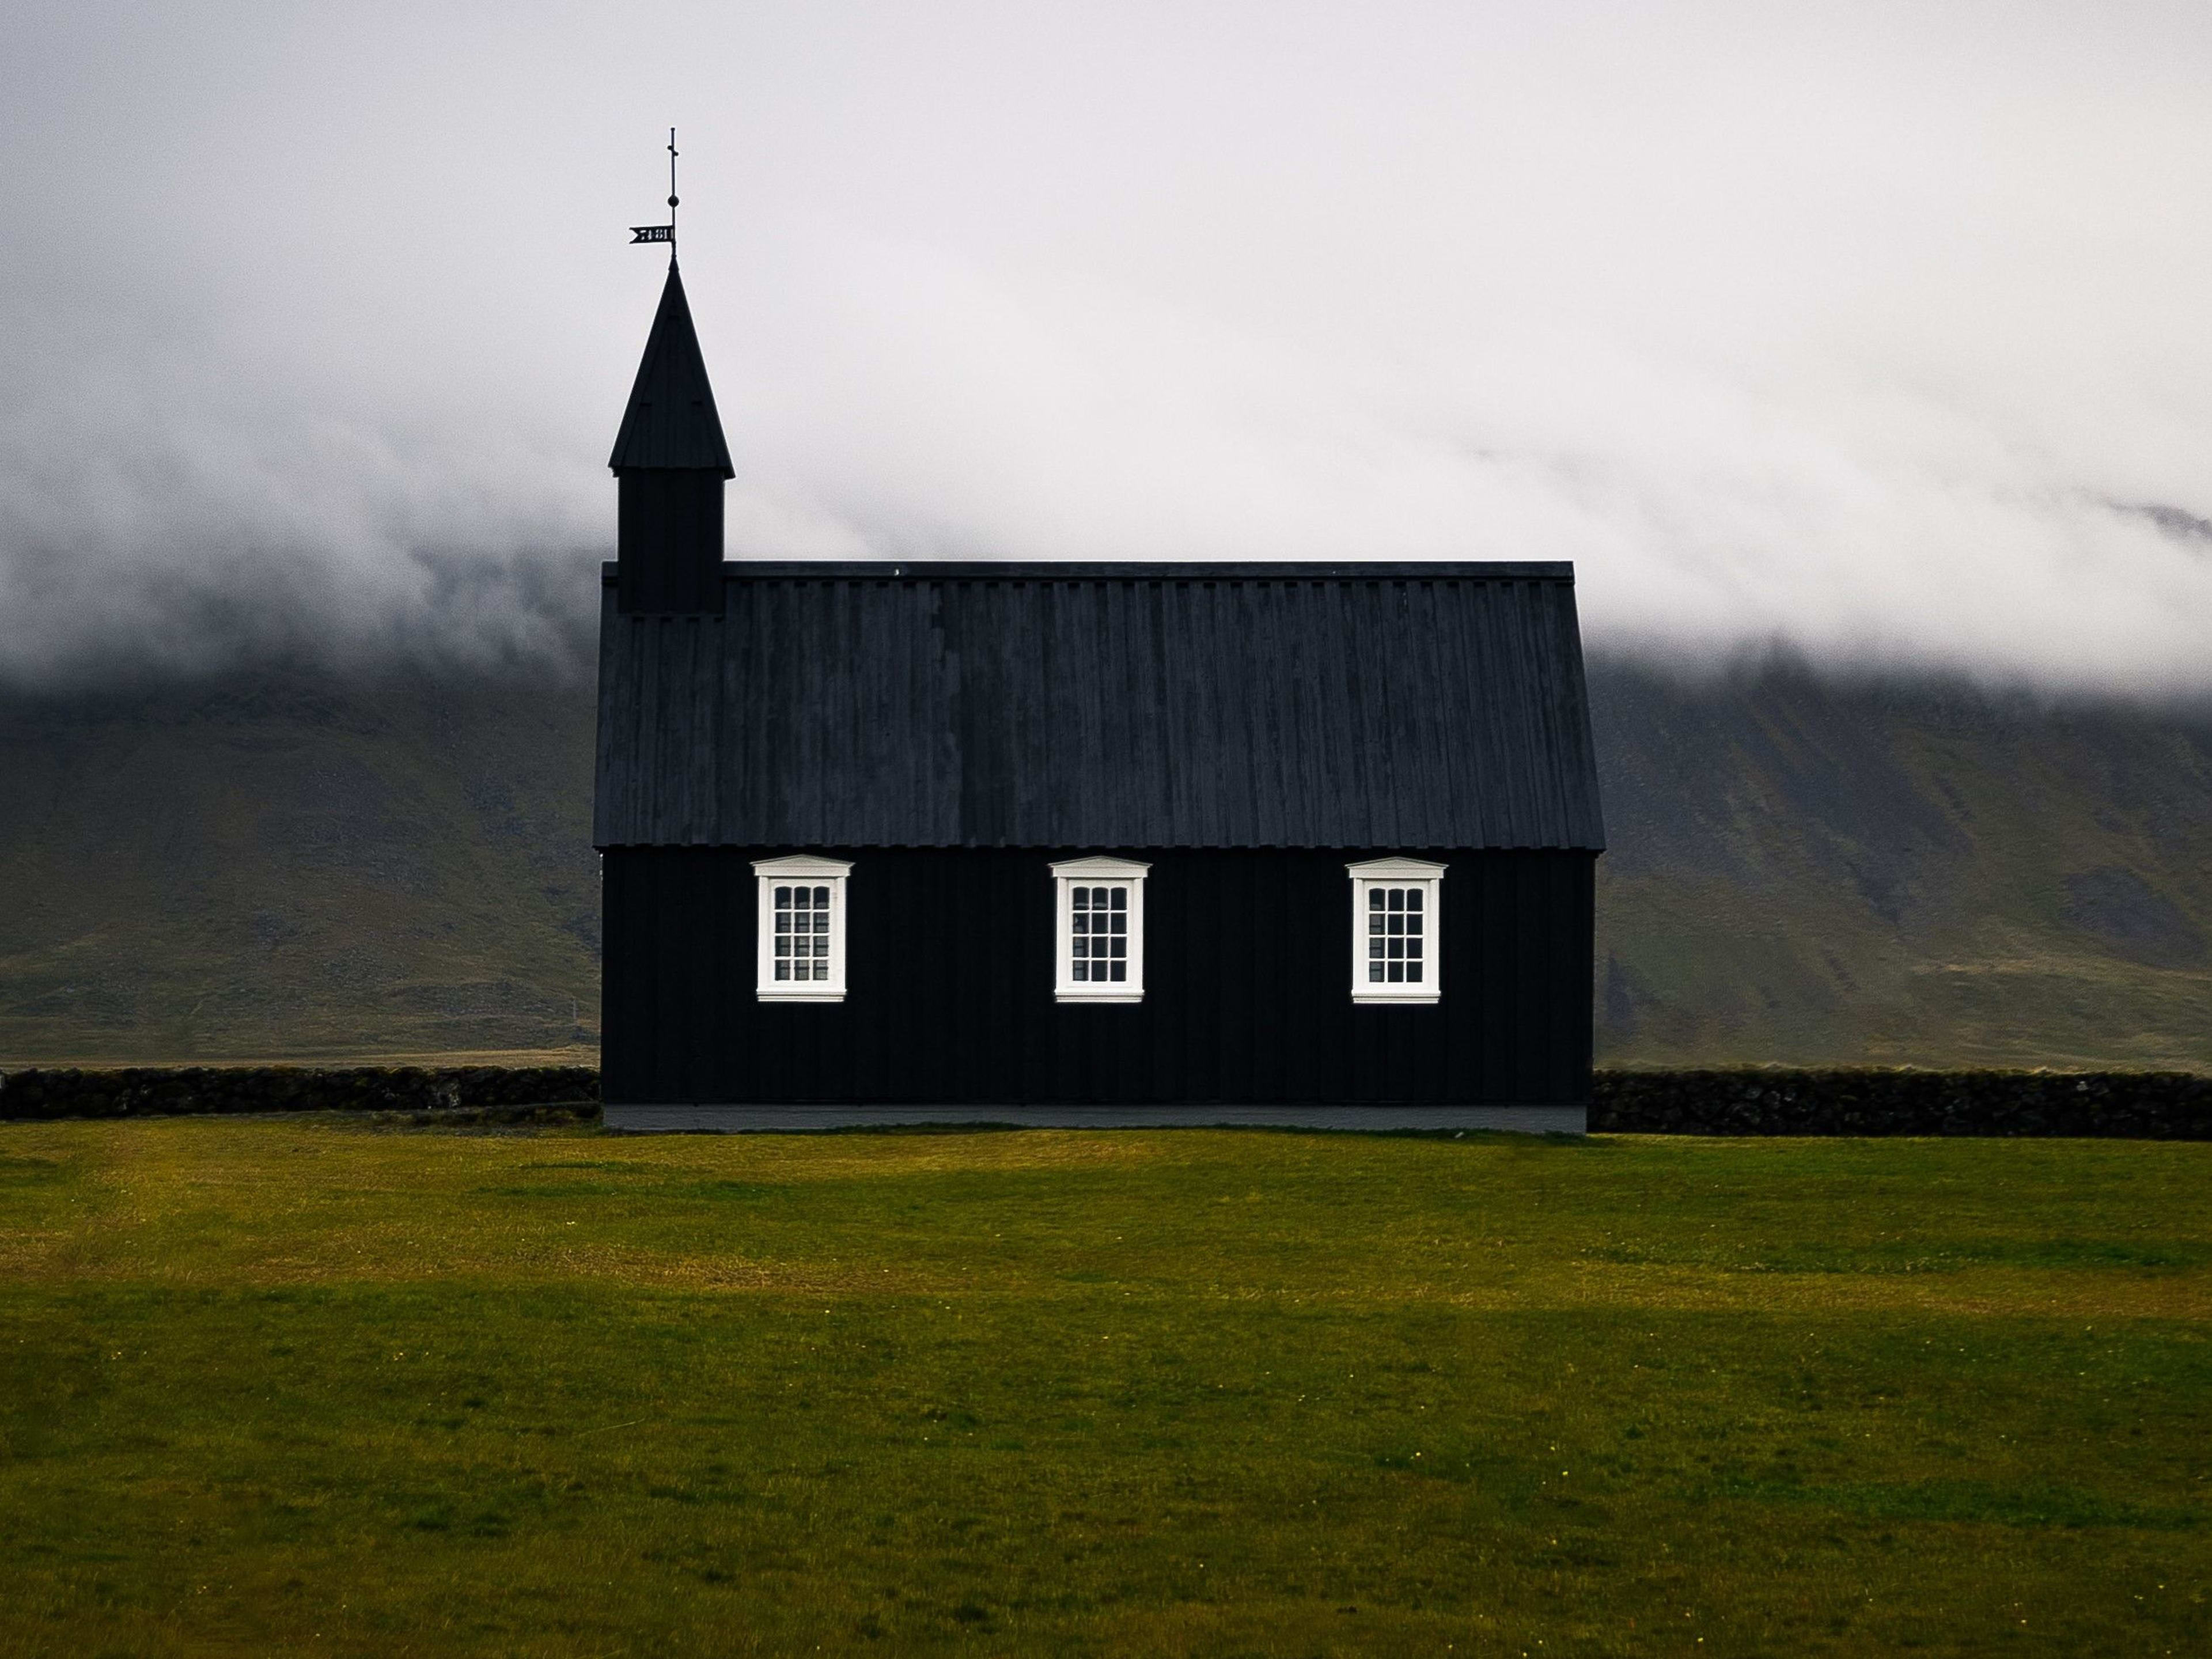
(671, 422)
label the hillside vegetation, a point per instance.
(289, 865)
(1815, 873)
(1802, 869)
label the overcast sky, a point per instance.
(1882, 330)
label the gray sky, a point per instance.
(1873, 328)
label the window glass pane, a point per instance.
(783, 970)
(1121, 970)
(1397, 973)
(1412, 972)
(1397, 898)
(1375, 973)
(1374, 898)
(1413, 898)
(783, 897)
(1375, 923)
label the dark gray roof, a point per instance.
(1361, 706)
(671, 420)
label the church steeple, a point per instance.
(671, 420)
(670, 459)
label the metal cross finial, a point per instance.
(663, 233)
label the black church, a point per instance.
(1055, 844)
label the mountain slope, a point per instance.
(1813, 872)
(291, 864)
(1802, 869)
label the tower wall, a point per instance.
(668, 541)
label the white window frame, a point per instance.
(1067, 875)
(1399, 872)
(793, 872)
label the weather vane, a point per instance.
(663, 233)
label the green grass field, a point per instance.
(305, 1387)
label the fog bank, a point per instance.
(1876, 331)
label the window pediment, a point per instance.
(1100, 869)
(1396, 870)
(802, 867)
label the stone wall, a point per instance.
(2138, 1105)
(151, 1091)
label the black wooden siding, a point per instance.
(677, 515)
(949, 975)
(1041, 706)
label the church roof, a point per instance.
(671, 420)
(1359, 706)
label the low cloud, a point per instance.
(1871, 331)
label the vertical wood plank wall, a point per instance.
(948, 975)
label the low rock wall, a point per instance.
(2135, 1105)
(154, 1091)
(2140, 1105)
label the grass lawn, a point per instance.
(307, 1386)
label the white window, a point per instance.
(1100, 939)
(802, 929)
(1396, 908)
